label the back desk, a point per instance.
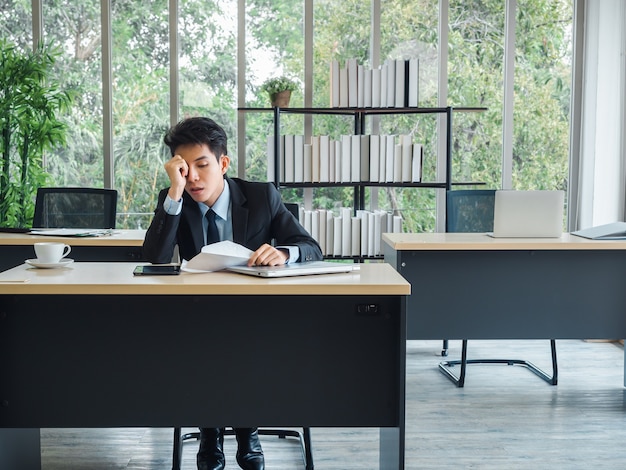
(90, 345)
(472, 286)
(123, 245)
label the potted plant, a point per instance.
(279, 90)
(29, 100)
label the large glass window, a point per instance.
(140, 56)
(274, 47)
(77, 32)
(16, 22)
(275, 44)
(543, 53)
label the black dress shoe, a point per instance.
(249, 451)
(211, 453)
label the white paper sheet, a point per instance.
(216, 257)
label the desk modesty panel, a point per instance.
(324, 350)
(121, 245)
(471, 286)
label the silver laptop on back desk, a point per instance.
(528, 214)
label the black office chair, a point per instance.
(304, 437)
(75, 208)
(294, 209)
(472, 211)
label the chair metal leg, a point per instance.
(177, 453)
(304, 437)
(444, 348)
(459, 380)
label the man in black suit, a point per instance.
(203, 205)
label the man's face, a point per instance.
(205, 176)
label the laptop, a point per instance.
(528, 214)
(296, 269)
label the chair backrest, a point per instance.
(294, 209)
(75, 208)
(470, 210)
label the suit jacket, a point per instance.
(258, 216)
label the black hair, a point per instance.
(197, 130)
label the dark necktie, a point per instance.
(212, 235)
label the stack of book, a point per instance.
(395, 84)
(344, 235)
(351, 159)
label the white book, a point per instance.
(331, 161)
(337, 178)
(391, 83)
(321, 217)
(362, 214)
(367, 88)
(346, 232)
(324, 143)
(337, 235)
(289, 158)
(377, 232)
(334, 83)
(417, 163)
(390, 157)
(397, 224)
(307, 163)
(355, 163)
(343, 87)
(308, 222)
(400, 83)
(413, 83)
(315, 225)
(352, 83)
(282, 158)
(374, 156)
(355, 244)
(397, 163)
(360, 73)
(376, 78)
(365, 158)
(271, 162)
(383, 85)
(382, 159)
(371, 239)
(298, 159)
(315, 158)
(407, 157)
(329, 233)
(346, 156)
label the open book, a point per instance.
(217, 256)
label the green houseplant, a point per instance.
(29, 101)
(279, 90)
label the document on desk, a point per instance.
(72, 232)
(614, 231)
(217, 256)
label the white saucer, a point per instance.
(38, 264)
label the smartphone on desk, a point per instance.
(157, 270)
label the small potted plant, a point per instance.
(279, 90)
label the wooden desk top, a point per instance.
(118, 238)
(481, 241)
(118, 279)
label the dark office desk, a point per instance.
(92, 346)
(123, 245)
(472, 286)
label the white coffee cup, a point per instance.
(51, 252)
